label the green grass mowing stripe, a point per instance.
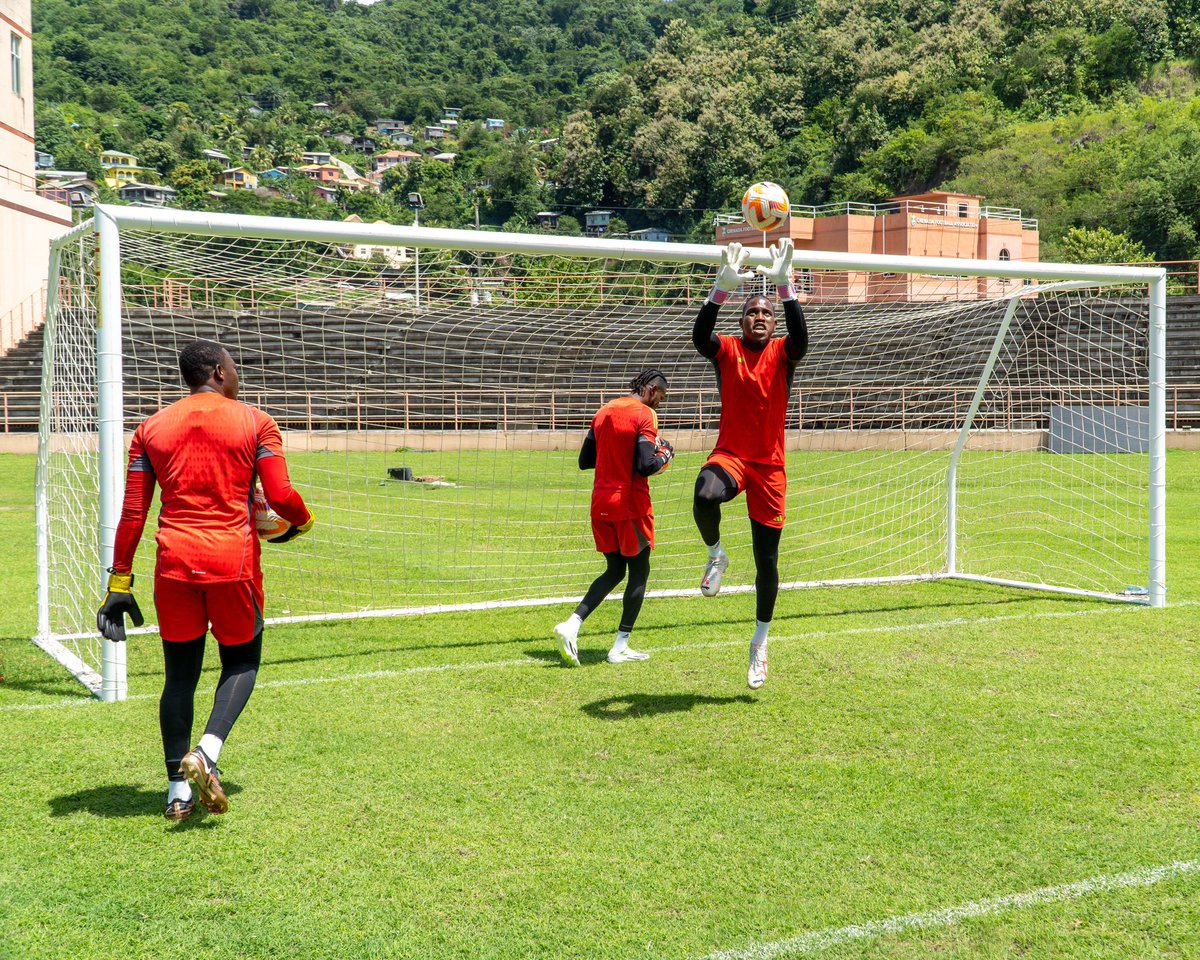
(820, 940)
(670, 648)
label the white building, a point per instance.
(28, 222)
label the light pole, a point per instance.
(416, 205)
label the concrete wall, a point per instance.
(27, 222)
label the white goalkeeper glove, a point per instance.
(780, 270)
(731, 275)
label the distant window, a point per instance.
(962, 209)
(14, 45)
(1004, 254)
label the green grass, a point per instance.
(915, 748)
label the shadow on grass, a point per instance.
(121, 800)
(628, 706)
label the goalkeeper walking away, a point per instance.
(205, 452)
(624, 448)
(754, 377)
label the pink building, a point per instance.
(935, 224)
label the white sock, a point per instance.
(760, 631)
(211, 745)
(622, 641)
(179, 790)
(716, 550)
(574, 622)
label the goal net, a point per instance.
(433, 389)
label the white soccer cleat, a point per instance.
(756, 676)
(710, 586)
(567, 646)
(626, 656)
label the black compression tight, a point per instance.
(766, 568)
(714, 486)
(176, 710)
(635, 590)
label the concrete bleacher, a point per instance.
(388, 365)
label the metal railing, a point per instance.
(819, 407)
(15, 178)
(21, 319)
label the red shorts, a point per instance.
(186, 609)
(765, 485)
(631, 537)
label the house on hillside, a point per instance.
(548, 219)
(652, 234)
(364, 144)
(434, 132)
(547, 145)
(392, 257)
(215, 155)
(239, 178)
(445, 157)
(121, 168)
(389, 128)
(451, 113)
(43, 160)
(147, 194)
(596, 222)
(385, 161)
(493, 123)
(317, 156)
(322, 172)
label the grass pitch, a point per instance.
(443, 788)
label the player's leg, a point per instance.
(182, 624)
(182, 662)
(235, 610)
(766, 588)
(635, 593)
(715, 485)
(602, 586)
(766, 498)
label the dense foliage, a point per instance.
(1082, 112)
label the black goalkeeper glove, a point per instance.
(295, 530)
(664, 449)
(118, 601)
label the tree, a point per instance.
(1101, 245)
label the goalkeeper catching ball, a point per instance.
(624, 448)
(754, 376)
(205, 451)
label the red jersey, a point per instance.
(755, 386)
(204, 451)
(619, 492)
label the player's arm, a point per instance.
(587, 453)
(780, 274)
(651, 453)
(272, 470)
(730, 276)
(118, 597)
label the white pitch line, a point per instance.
(671, 648)
(819, 940)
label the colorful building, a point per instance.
(934, 224)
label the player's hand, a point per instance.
(732, 274)
(295, 530)
(780, 270)
(664, 449)
(118, 601)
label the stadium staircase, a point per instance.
(380, 368)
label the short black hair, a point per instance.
(651, 377)
(198, 360)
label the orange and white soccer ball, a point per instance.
(765, 206)
(267, 523)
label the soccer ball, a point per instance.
(765, 206)
(267, 523)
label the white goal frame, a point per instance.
(109, 221)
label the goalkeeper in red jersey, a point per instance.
(205, 452)
(754, 377)
(624, 448)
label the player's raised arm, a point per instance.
(780, 274)
(729, 278)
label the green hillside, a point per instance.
(1081, 113)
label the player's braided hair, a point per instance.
(653, 377)
(198, 360)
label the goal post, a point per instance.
(984, 420)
